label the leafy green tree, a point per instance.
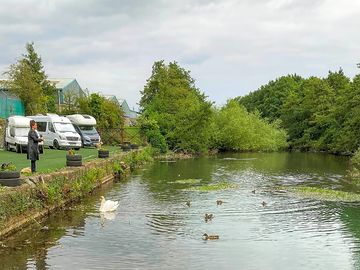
(21, 82)
(269, 98)
(27, 79)
(305, 112)
(179, 108)
(242, 131)
(106, 112)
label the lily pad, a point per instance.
(188, 181)
(214, 187)
(324, 194)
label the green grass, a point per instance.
(324, 194)
(52, 159)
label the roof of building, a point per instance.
(122, 103)
(61, 83)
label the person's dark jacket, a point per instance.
(33, 145)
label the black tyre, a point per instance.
(125, 147)
(76, 163)
(9, 174)
(7, 147)
(18, 148)
(103, 153)
(134, 146)
(41, 149)
(73, 158)
(10, 182)
(56, 144)
(77, 149)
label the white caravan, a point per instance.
(16, 134)
(57, 131)
(85, 126)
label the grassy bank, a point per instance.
(21, 205)
(52, 159)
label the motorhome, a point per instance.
(16, 134)
(85, 126)
(57, 131)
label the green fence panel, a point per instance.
(10, 105)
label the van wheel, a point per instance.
(56, 144)
(7, 147)
(18, 150)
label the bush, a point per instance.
(157, 140)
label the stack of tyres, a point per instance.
(73, 160)
(10, 178)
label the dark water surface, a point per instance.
(154, 229)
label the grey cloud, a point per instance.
(231, 46)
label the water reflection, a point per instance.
(154, 228)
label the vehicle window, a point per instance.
(12, 131)
(22, 132)
(41, 126)
(88, 130)
(51, 127)
(64, 127)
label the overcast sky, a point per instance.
(231, 47)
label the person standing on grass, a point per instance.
(33, 145)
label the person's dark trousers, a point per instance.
(33, 166)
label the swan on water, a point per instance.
(108, 205)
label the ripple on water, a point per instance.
(153, 228)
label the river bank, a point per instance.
(43, 194)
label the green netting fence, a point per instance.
(118, 136)
(10, 105)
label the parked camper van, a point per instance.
(85, 126)
(58, 132)
(16, 134)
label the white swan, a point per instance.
(107, 205)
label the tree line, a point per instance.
(176, 115)
(28, 80)
(318, 114)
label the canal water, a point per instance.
(154, 228)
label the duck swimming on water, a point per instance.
(210, 237)
(208, 217)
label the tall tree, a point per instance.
(27, 80)
(22, 83)
(35, 63)
(181, 111)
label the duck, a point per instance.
(188, 203)
(210, 237)
(208, 217)
(253, 191)
(219, 202)
(108, 205)
(263, 204)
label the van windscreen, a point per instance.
(64, 127)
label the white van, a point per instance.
(57, 131)
(16, 134)
(85, 126)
